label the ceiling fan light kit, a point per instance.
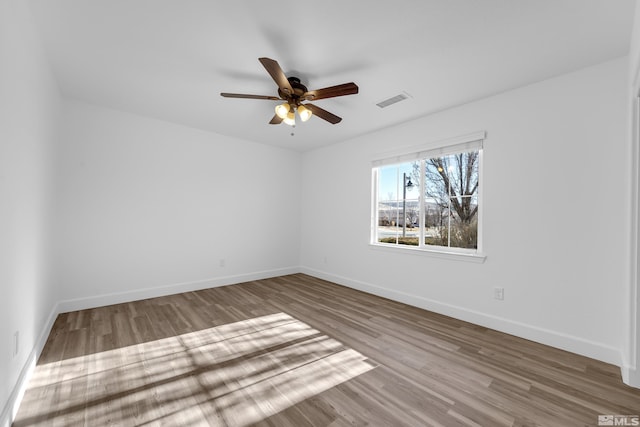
(304, 113)
(290, 119)
(282, 110)
(293, 92)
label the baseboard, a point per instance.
(11, 407)
(552, 338)
(139, 294)
(630, 376)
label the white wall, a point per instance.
(556, 183)
(28, 105)
(631, 373)
(145, 207)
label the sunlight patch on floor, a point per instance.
(234, 374)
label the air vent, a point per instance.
(392, 100)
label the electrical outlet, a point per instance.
(223, 262)
(325, 260)
(498, 293)
(16, 343)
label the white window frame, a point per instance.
(472, 141)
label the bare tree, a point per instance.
(413, 215)
(452, 179)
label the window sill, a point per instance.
(456, 256)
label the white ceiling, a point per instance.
(170, 59)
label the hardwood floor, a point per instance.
(299, 351)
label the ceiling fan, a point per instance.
(293, 93)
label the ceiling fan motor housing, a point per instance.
(298, 90)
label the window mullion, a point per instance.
(398, 192)
(375, 217)
(449, 217)
(422, 201)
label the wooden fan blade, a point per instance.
(242, 95)
(273, 68)
(276, 120)
(323, 114)
(331, 92)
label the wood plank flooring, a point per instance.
(299, 351)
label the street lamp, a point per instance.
(406, 183)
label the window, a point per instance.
(429, 199)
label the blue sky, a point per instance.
(390, 181)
